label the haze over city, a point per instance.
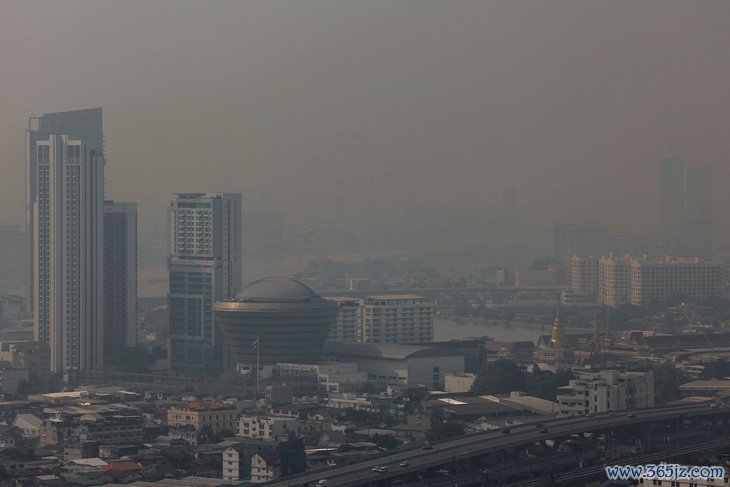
(354, 117)
(403, 243)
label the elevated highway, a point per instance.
(482, 444)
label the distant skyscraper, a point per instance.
(65, 191)
(696, 231)
(671, 201)
(120, 276)
(204, 267)
(685, 199)
(582, 239)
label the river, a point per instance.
(458, 328)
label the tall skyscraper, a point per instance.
(582, 239)
(685, 211)
(120, 276)
(83, 125)
(204, 267)
(65, 211)
(696, 231)
(671, 201)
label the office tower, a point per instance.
(397, 319)
(204, 267)
(85, 125)
(696, 231)
(65, 191)
(581, 239)
(671, 201)
(120, 277)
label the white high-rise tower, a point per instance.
(65, 191)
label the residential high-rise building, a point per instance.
(397, 318)
(204, 267)
(120, 276)
(671, 201)
(65, 191)
(85, 125)
(658, 280)
(581, 239)
(347, 328)
(614, 284)
(584, 275)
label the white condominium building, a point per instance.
(397, 319)
(584, 275)
(69, 252)
(656, 281)
(607, 390)
(614, 286)
(65, 191)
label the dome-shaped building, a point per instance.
(289, 320)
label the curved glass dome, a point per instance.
(276, 289)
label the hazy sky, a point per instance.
(335, 108)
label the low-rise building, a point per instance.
(458, 382)
(212, 415)
(29, 424)
(608, 390)
(265, 467)
(330, 375)
(392, 364)
(272, 428)
(237, 458)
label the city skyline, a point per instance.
(313, 149)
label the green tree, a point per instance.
(545, 383)
(667, 380)
(717, 369)
(442, 431)
(387, 442)
(499, 377)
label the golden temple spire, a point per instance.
(557, 338)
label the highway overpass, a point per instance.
(478, 445)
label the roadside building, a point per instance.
(270, 428)
(212, 415)
(607, 390)
(265, 467)
(392, 364)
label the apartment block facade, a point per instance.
(397, 319)
(204, 266)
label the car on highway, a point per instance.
(539, 425)
(380, 469)
(631, 415)
(506, 431)
(322, 483)
(543, 431)
(426, 447)
(404, 464)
